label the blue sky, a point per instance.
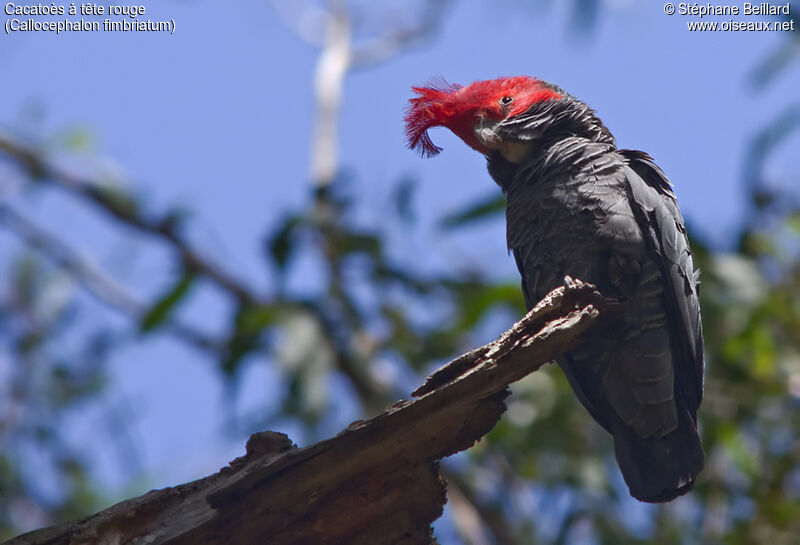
(217, 118)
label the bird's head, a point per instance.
(474, 112)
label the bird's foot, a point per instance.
(573, 283)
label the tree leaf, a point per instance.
(281, 244)
(159, 312)
(358, 243)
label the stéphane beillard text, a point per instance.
(764, 8)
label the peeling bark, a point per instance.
(377, 482)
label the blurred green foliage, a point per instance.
(45, 380)
(546, 473)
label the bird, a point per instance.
(579, 207)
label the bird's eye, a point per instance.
(505, 101)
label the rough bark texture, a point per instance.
(375, 483)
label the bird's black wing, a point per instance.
(657, 213)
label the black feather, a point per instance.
(578, 206)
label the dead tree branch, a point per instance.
(38, 168)
(95, 281)
(377, 482)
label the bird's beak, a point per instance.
(486, 134)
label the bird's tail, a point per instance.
(659, 469)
